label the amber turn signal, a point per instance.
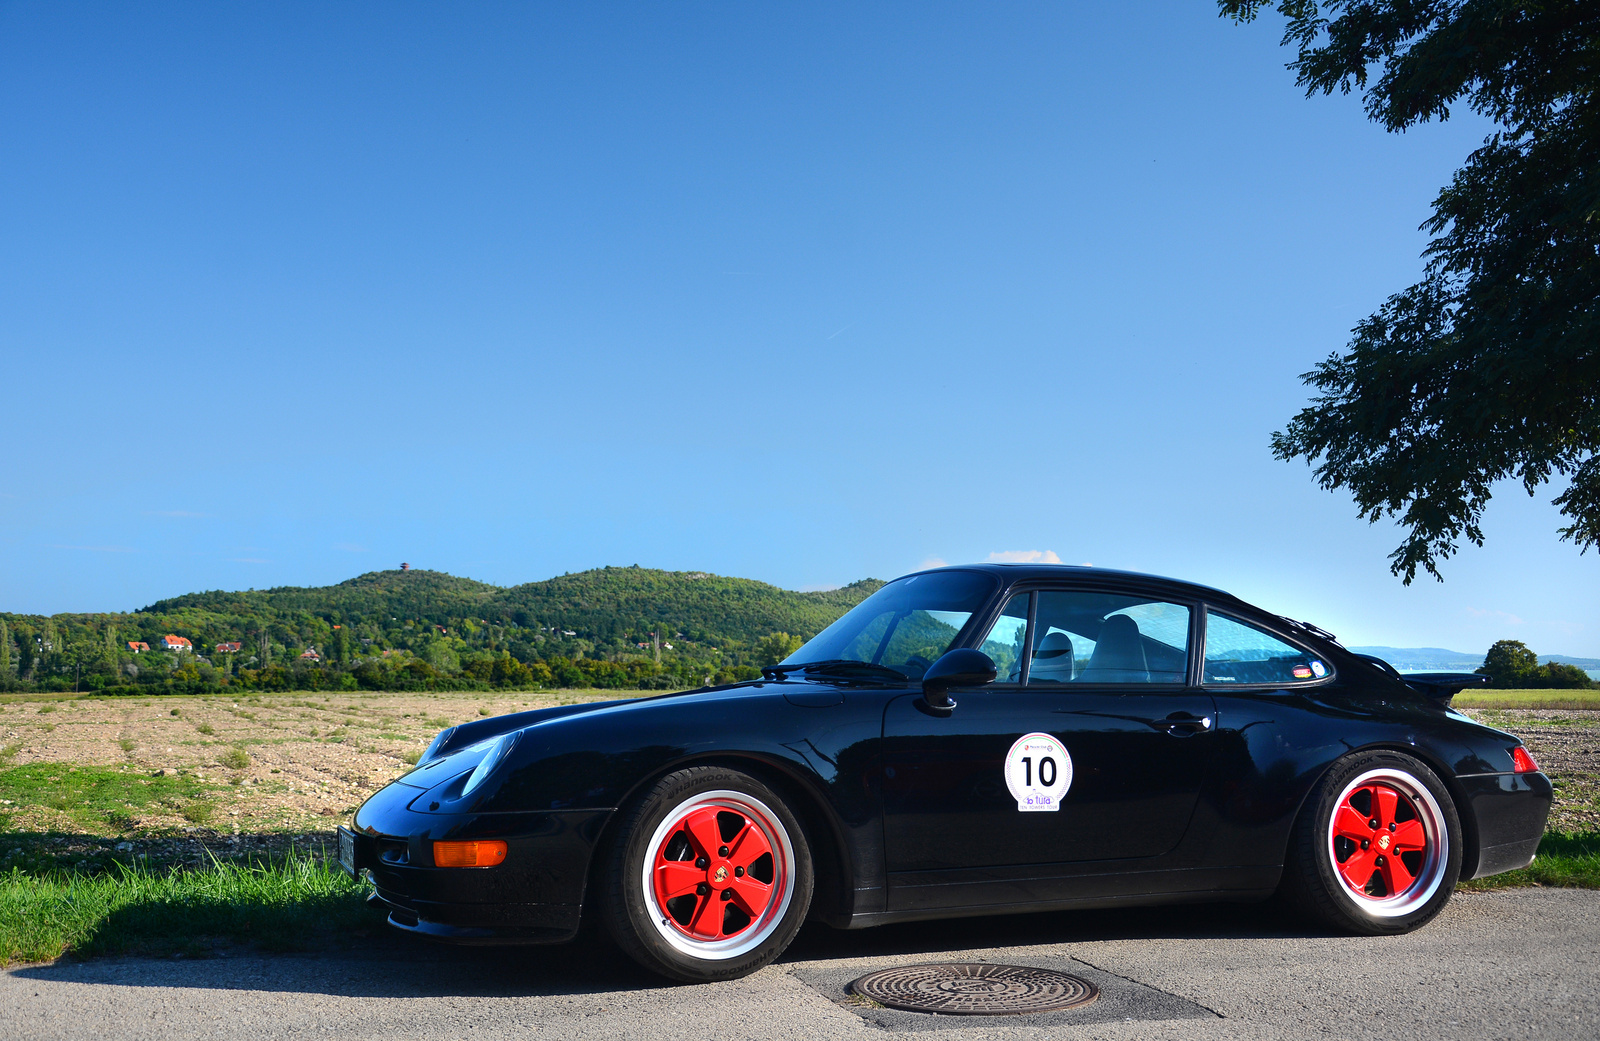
(1522, 762)
(483, 853)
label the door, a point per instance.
(1090, 746)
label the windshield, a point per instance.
(905, 625)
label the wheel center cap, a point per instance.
(1383, 842)
(721, 874)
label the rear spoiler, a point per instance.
(1442, 686)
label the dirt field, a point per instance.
(84, 781)
(306, 758)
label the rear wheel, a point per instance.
(708, 876)
(1377, 848)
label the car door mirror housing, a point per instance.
(962, 667)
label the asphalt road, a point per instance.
(1517, 964)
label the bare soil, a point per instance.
(308, 759)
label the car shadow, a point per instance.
(388, 964)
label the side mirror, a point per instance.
(962, 667)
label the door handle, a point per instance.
(1182, 724)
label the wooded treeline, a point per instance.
(426, 630)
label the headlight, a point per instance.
(490, 760)
(438, 742)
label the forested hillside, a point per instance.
(427, 629)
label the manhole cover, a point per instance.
(975, 989)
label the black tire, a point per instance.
(756, 883)
(1370, 878)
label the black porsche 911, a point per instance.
(966, 741)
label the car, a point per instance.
(965, 741)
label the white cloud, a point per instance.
(932, 562)
(1024, 556)
(1478, 612)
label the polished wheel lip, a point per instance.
(1435, 855)
(783, 857)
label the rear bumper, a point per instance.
(1506, 814)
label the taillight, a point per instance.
(482, 853)
(1522, 762)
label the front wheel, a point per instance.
(708, 876)
(1377, 848)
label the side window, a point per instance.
(1006, 640)
(1085, 637)
(1241, 653)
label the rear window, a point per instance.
(1238, 652)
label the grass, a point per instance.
(1569, 859)
(1557, 699)
(283, 905)
(93, 797)
(235, 759)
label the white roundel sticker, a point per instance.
(1038, 772)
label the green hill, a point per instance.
(431, 629)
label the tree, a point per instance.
(774, 647)
(5, 650)
(1509, 663)
(1488, 368)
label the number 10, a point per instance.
(1047, 771)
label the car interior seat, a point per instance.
(1052, 659)
(1118, 655)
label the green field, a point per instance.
(1558, 699)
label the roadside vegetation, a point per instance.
(296, 902)
(1569, 859)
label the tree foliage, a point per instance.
(1489, 367)
(416, 630)
(1511, 665)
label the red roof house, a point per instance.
(138, 646)
(310, 654)
(175, 643)
(229, 648)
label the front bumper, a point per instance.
(535, 896)
(1507, 813)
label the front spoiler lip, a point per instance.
(407, 921)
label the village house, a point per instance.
(310, 654)
(229, 648)
(138, 646)
(175, 643)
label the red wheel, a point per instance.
(1378, 848)
(709, 876)
(722, 874)
(1385, 840)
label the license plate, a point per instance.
(347, 851)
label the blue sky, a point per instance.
(802, 293)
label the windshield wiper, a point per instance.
(834, 666)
